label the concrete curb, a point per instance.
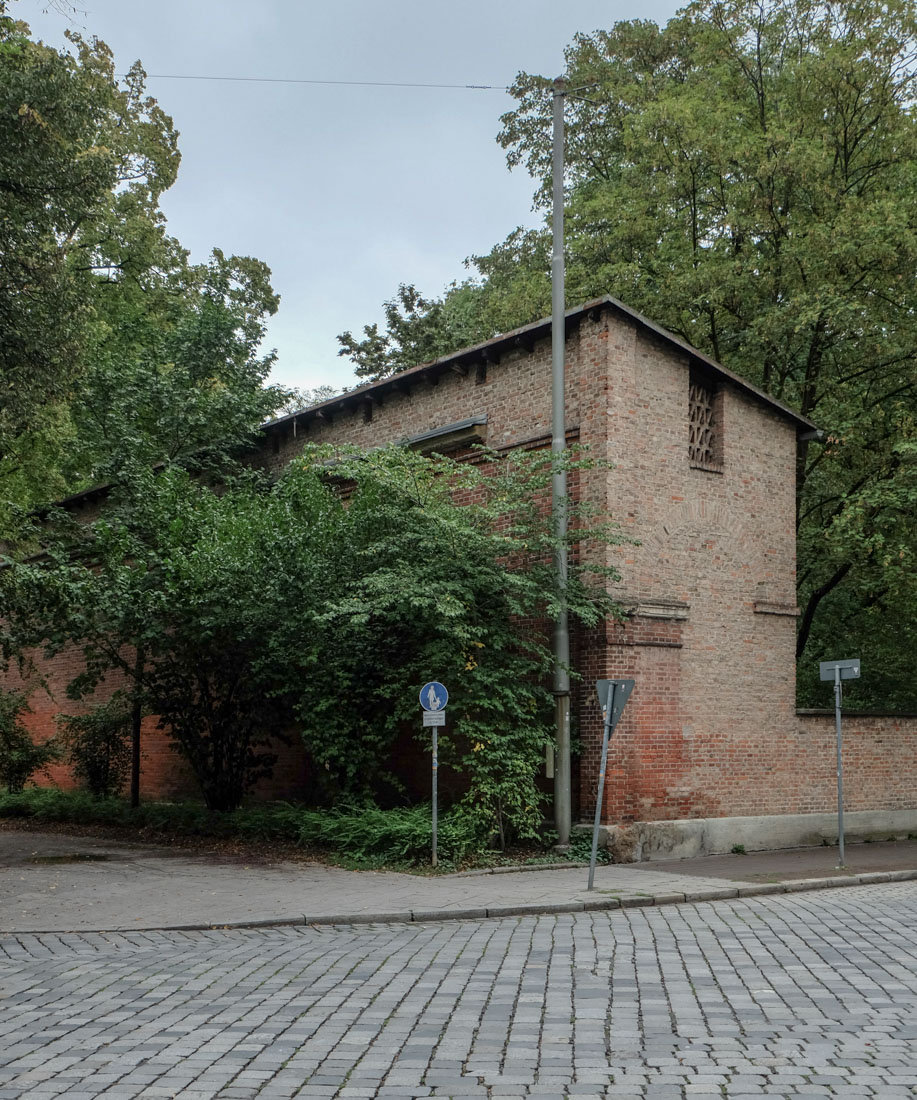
(527, 909)
(516, 868)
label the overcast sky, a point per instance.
(343, 191)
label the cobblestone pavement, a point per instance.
(802, 995)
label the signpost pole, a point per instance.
(598, 801)
(613, 696)
(838, 691)
(435, 769)
(433, 700)
(837, 672)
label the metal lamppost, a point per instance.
(561, 636)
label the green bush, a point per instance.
(360, 834)
(52, 804)
(275, 821)
(367, 834)
(580, 849)
(20, 757)
(83, 808)
(97, 745)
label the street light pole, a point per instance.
(561, 637)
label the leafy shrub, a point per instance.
(52, 804)
(367, 834)
(83, 808)
(97, 745)
(580, 849)
(275, 821)
(408, 583)
(20, 756)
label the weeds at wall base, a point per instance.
(356, 837)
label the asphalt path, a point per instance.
(64, 883)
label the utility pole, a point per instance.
(561, 637)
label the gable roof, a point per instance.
(490, 351)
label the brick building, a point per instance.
(711, 751)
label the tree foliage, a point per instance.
(296, 399)
(83, 161)
(322, 602)
(174, 374)
(746, 176)
(155, 596)
(419, 588)
(20, 755)
(115, 348)
(97, 745)
(417, 330)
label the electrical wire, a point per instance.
(358, 83)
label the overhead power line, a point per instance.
(295, 80)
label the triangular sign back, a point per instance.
(619, 692)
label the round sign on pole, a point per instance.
(433, 696)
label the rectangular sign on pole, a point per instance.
(434, 718)
(849, 670)
(839, 671)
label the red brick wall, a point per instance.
(879, 753)
(163, 772)
(715, 682)
(515, 395)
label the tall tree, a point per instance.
(83, 160)
(417, 330)
(114, 349)
(746, 176)
(174, 371)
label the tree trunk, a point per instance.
(815, 599)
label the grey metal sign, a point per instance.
(849, 670)
(620, 692)
(613, 696)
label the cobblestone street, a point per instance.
(809, 994)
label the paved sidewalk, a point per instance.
(61, 883)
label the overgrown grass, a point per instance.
(363, 836)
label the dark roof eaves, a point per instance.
(533, 331)
(393, 381)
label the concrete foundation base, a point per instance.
(684, 839)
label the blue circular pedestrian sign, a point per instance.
(433, 696)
